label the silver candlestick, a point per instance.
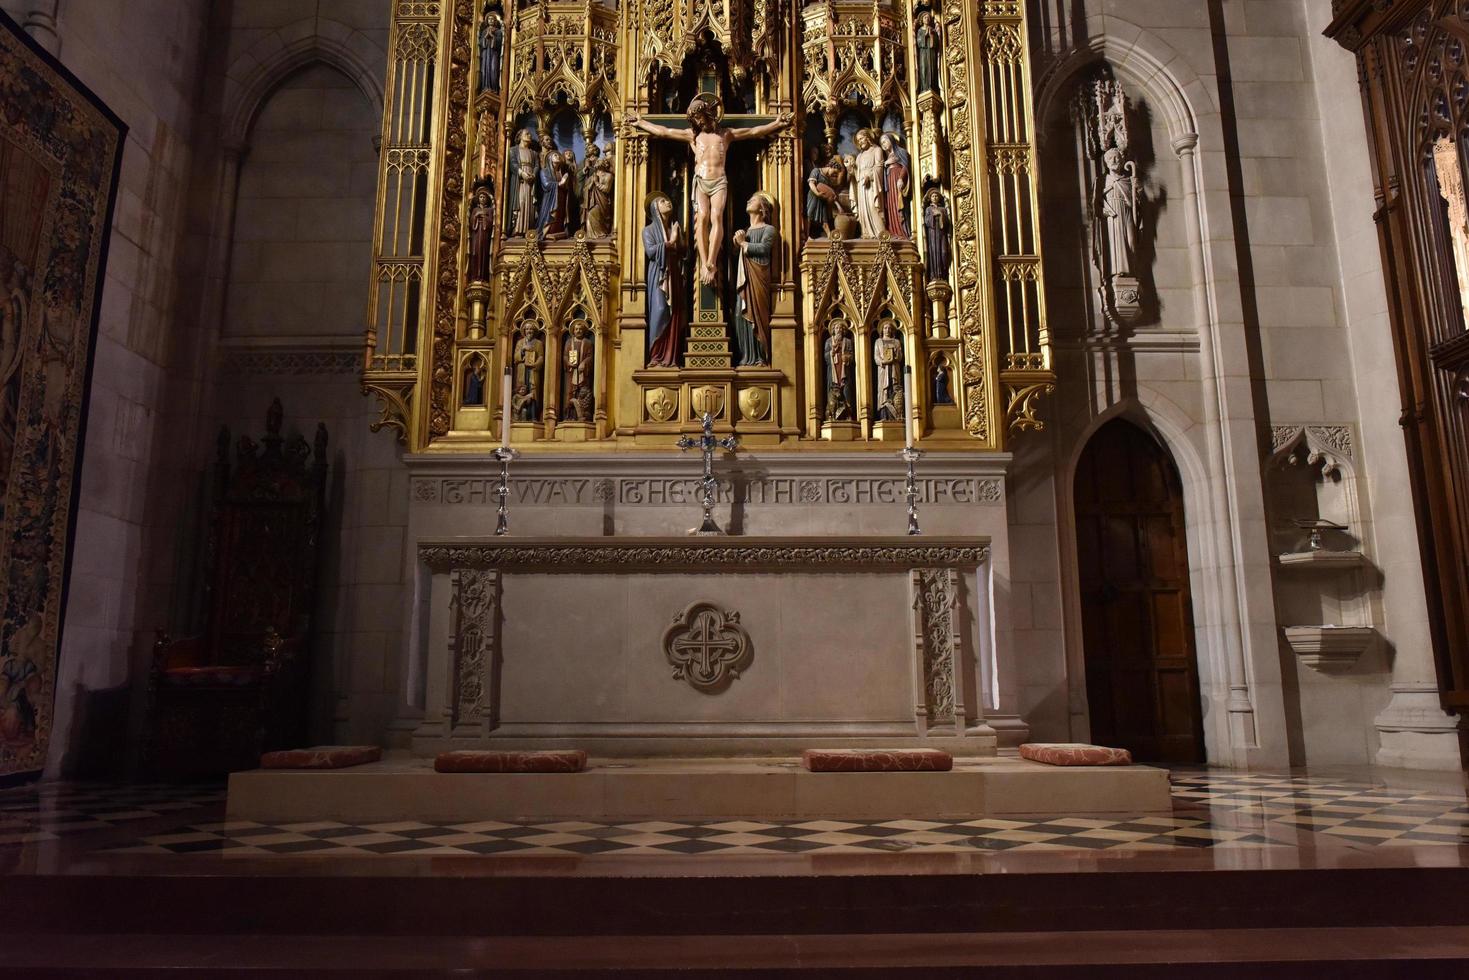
(707, 444)
(504, 455)
(911, 456)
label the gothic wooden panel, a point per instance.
(1415, 88)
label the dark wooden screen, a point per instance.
(1414, 58)
(1141, 673)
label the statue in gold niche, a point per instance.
(709, 142)
(530, 365)
(887, 357)
(841, 382)
(578, 358)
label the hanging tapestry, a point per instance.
(60, 150)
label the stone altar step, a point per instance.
(1145, 915)
(406, 788)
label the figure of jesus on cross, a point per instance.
(709, 142)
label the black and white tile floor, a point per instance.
(1211, 810)
(51, 811)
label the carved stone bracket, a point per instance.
(707, 647)
(1330, 445)
(937, 649)
(475, 639)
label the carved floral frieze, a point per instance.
(448, 557)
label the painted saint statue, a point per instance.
(869, 177)
(530, 367)
(663, 248)
(525, 172)
(926, 52)
(937, 246)
(481, 232)
(556, 180)
(709, 142)
(897, 168)
(597, 200)
(756, 282)
(578, 373)
(887, 358)
(823, 188)
(491, 46)
(840, 354)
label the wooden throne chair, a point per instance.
(217, 700)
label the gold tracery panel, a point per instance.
(557, 222)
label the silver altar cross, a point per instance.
(707, 444)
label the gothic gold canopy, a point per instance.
(599, 222)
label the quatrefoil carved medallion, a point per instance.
(707, 647)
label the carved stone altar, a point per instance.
(679, 645)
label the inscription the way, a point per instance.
(662, 492)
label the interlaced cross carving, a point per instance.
(707, 647)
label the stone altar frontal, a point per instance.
(704, 645)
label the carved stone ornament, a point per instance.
(935, 594)
(475, 598)
(707, 647)
(755, 404)
(661, 403)
(446, 557)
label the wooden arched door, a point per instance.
(1142, 677)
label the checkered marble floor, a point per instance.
(667, 837)
(1212, 809)
(50, 811)
(1353, 811)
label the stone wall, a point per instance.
(1268, 321)
(301, 109)
(143, 60)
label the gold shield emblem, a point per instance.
(709, 400)
(662, 403)
(755, 404)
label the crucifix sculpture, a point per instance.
(709, 485)
(709, 141)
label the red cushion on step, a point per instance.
(1074, 754)
(475, 760)
(877, 760)
(322, 757)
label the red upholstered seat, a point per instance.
(1074, 754)
(475, 760)
(322, 757)
(877, 760)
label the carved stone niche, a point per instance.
(1324, 590)
(1114, 138)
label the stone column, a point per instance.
(39, 21)
(1242, 729)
